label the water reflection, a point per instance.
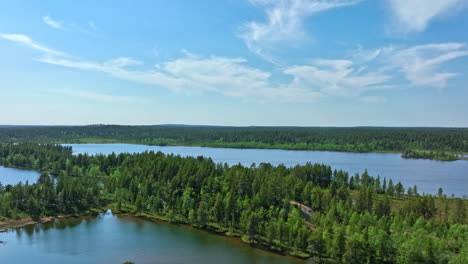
(116, 239)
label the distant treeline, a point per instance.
(357, 139)
(309, 210)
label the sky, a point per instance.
(234, 62)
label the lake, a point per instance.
(14, 176)
(115, 239)
(428, 175)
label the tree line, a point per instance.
(353, 139)
(309, 210)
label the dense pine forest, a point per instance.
(357, 139)
(306, 211)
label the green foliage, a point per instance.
(438, 155)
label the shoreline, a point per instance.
(22, 222)
(10, 223)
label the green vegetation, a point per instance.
(415, 154)
(308, 210)
(357, 139)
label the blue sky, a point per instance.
(235, 62)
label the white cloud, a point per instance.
(90, 28)
(226, 76)
(27, 41)
(366, 70)
(53, 23)
(122, 62)
(415, 15)
(420, 65)
(373, 99)
(284, 22)
(337, 77)
(100, 96)
(188, 74)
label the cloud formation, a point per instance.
(90, 28)
(226, 76)
(420, 64)
(284, 23)
(27, 41)
(337, 77)
(415, 15)
(53, 23)
(364, 72)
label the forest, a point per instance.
(351, 139)
(306, 211)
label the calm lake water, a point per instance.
(14, 176)
(114, 240)
(428, 175)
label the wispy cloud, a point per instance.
(100, 96)
(284, 23)
(421, 64)
(189, 74)
(27, 41)
(53, 23)
(226, 76)
(416, 15)
(90, 28)
(363, 72)
(337, 77)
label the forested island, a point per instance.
(305, 211)
(415, 154)
(416, 141)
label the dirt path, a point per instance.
(306, 210)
